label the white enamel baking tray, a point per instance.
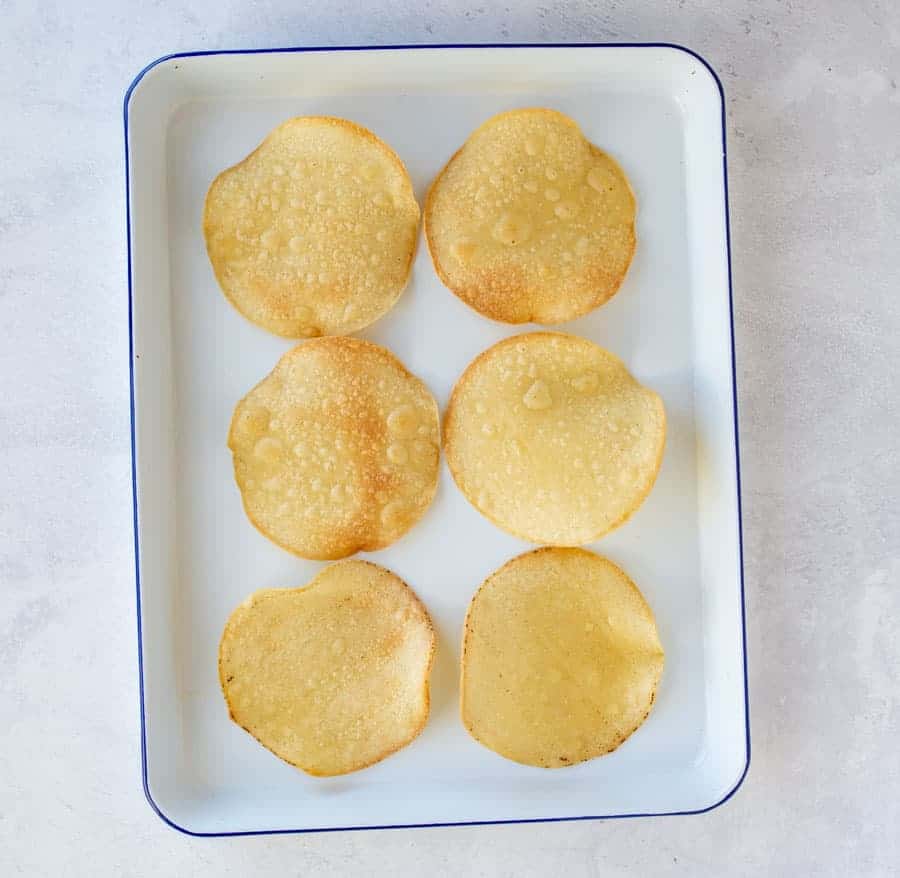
(659, 110)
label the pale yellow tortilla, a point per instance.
(551, 438)
(331, 677)
(314, 232)
(561, 659)
(529, 221)
(337, 450)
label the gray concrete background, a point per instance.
(814, 140)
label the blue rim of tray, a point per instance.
(737, 461)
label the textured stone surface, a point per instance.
(813, 123)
